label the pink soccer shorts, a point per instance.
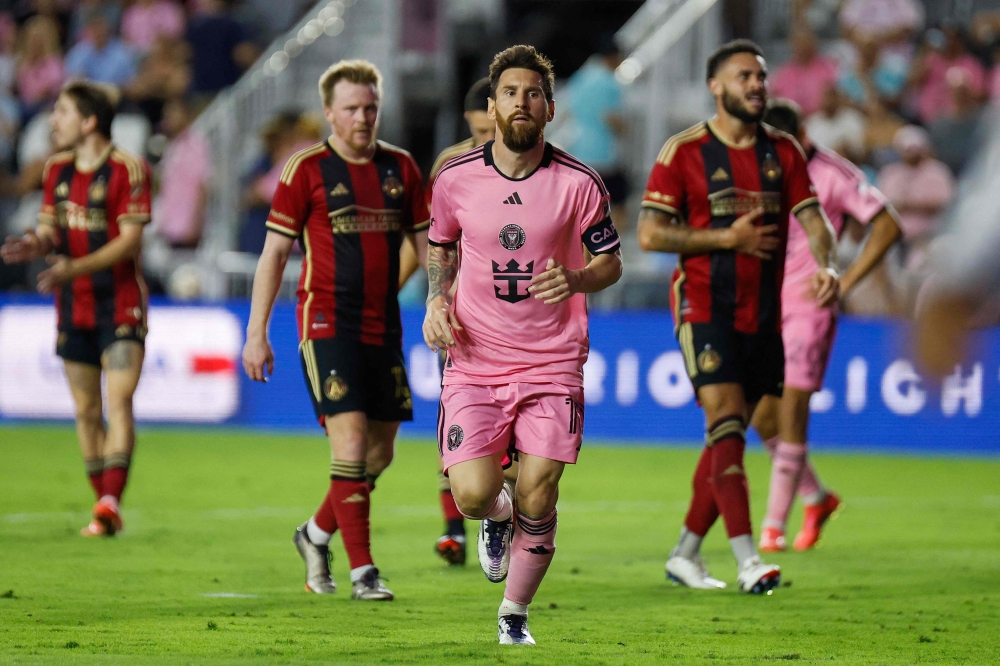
(544, 420)
(808, 334)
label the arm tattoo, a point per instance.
(120, 355)
(822, 241)
(442, 266)
(665, 233)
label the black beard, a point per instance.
(734, 107)
(519, 138)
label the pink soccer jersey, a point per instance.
(842, 190)
(509, 229)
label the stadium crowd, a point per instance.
(898, 97)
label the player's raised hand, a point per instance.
(554, 285)
(60, 271)
(18, 249)
(440, 324)
(258, 357)
(748, 238)
(826, 286)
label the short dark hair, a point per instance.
(727, 51)
(94, 99)
(475, 99)
(523, 57)
(784, 115)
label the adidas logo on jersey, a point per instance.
(720, 174)
(339, 191)
(513, 199)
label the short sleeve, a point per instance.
(47, 214)
(133, 203)
(665, 189)
(596, 228)
(290, 206)
(416, 217)
(444, 225)
(861, 200)
(799, 190)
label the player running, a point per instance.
(808, 331)
(348, 201)
(720, 196)
(516, 328)
(451, 545)
(96, 201)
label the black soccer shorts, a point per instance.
(715, 354)
(86, 345)
(347, 376)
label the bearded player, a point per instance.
(95, 204)
(720, 196)
(808, 331)
(349, 201)
(516, 328)
(450, 546)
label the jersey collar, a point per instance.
(488, 160)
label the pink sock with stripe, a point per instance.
(532, 549)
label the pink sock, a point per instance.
(810, 489)
(770, 445)
(501, 509)
(786, 470)
(530, 555)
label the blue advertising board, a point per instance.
(635, 386)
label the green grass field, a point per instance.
(206, 572)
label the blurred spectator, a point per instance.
(179, 209)
(148, 19)
(837, 126)
(163, 74)
(886, 21)
(880, 132)
(593, 103)
(877, 74)
(8, 57)
(944, 50)
(919, 187)
(953, 135)
(40, 71)
(101, 56)
(220, 49)
(57, 10)
(807, 75)
(85, 10)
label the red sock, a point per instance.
(352, 506)
(326, 517)
(703, 511)
(113, 482)
(729, 479)
(95, 473)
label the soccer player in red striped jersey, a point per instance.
(96, 201)
(348, 201)
(720, 196)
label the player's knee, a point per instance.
(472, 502)
(89, 411)
(120, 408)
(379, 459)
(537, 499)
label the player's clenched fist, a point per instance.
(554, 285)
(257, 356)
(440, 324)
(826, 286)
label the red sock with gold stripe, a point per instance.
(351, 507)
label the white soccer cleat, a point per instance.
(317, 560)
(513, 630)
(494, 548)
(691, 572)
(755, 577)
(371, 588)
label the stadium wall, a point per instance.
(635, 386)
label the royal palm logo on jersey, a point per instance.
(455, 437)
(340, 191)
(512, 237)
(392, 186)
(98, 191)
(512, 276)
(720, 175)
(737, 201)
(513, 199)
(709, 360)
(335, 387)
(770, 168)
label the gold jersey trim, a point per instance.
(669, 149)
(293, 163)
(134, 165)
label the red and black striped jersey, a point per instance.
(88, 209)
(708, 184)
(350, 217)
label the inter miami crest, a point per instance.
(512, 237)
(455, 437)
